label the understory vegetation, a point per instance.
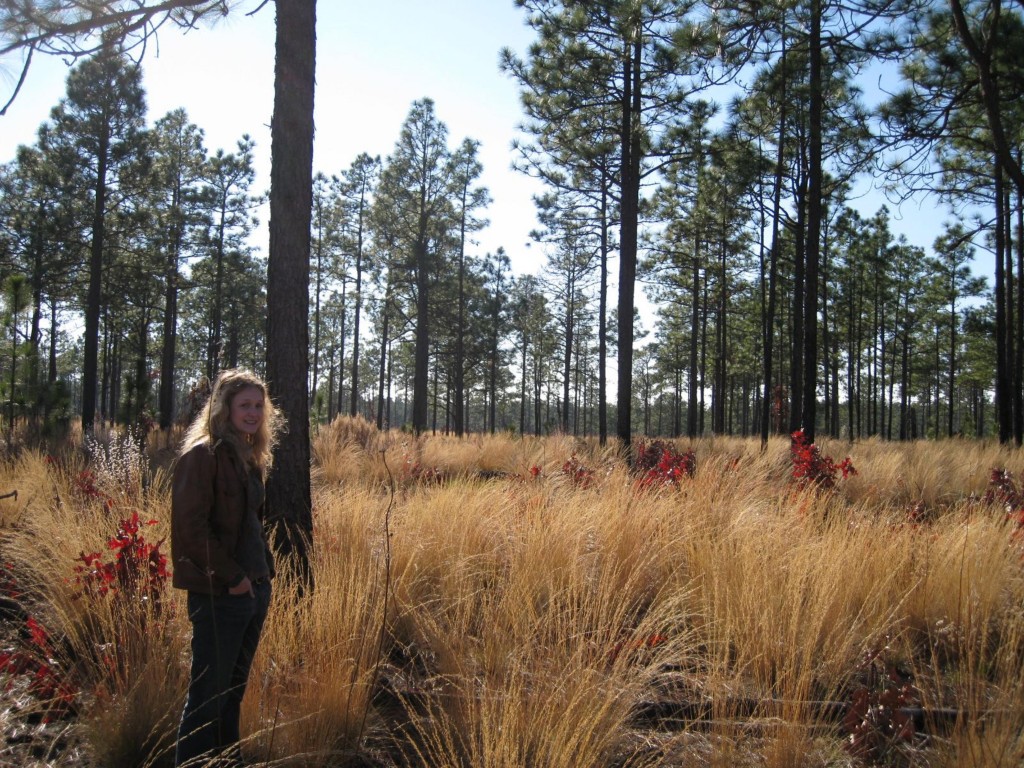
(506, 602)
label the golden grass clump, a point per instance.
(933, 475)
(317, 664)
(535, 643)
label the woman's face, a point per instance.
(247, 410)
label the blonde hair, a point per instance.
(212, 424)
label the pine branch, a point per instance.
(126, 20)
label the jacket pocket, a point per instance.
(192, 574)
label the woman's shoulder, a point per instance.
(206, 459)
(200, 454)
(197, 449)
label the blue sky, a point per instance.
(373, 60)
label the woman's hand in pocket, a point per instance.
(244, 587)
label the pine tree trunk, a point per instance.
(382, 371)
(1018, 364)
(1004, 405)
(808, 416)
(422, 339)
(289, 501)
(168, 352)
(91, 340)
(773, 264)
(602, 319)
(691, 396)
(460, 348)
(356, 318)
(628, 227)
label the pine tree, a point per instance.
(97, 131)
(416, 196)
(358, 186)
(179, 158)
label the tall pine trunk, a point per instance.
(602, 318)
(460, 336)
(383, 367)
(289, 502)
(1018, 365)
(356, 319)
(812, 247)
(421, 355)
(773, 261)
(628, 227)
(90, 361)
(168, 351)
(1004, 405)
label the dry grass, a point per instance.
(116, 653)
(536, 620)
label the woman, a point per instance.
(220, 555)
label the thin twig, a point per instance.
(273, 729)
(387, 592)
(21, 80)
(258, 8)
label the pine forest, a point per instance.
(699, 158)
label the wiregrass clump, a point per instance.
(533, 644)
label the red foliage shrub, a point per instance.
(8, 584)
(33, 658)
(85, 485)
(137, 572)
(878, 725)
(134, 580)
(812, 468)
(579, 475)
(660, 463)
(1003, 490)
(416, 472)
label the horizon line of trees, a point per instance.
(129, 272)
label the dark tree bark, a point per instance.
(289, 502)
(628, 226)
(459, 405)
(570, 323)
(1004, 404)
(382, 377)
(693, 406)
(773, 264)
(168, 353)
(90, 357)
(813, 243)
(421, 354)
(1018, 365)
(602, 319)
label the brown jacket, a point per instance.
(208, 505)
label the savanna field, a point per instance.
(504, 602)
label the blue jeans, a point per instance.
(225, 632)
